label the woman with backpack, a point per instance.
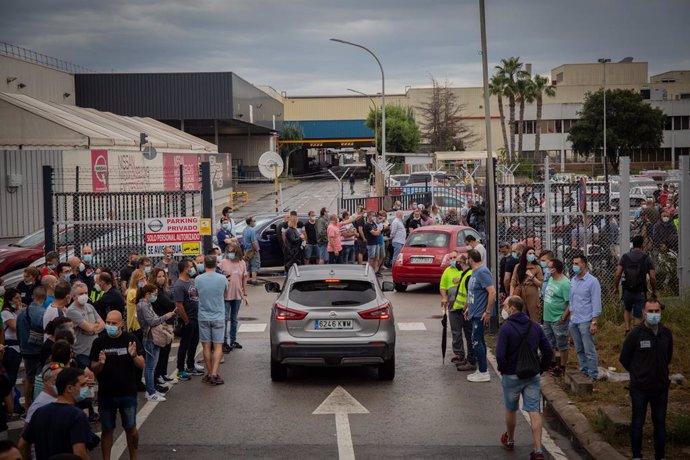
(526, 282)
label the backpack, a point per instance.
(527, 364)
(635, 275)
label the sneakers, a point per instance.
(465, 366)
(226, 348)
(208, 379)
(167, 378)
(183, 376)
(157, 397)
(479, 377)
(217, 380)
(506, 443)
(536, 455)
(236, 345)
(456, 359)
(195, 371)
(162, 389)
(164, 383)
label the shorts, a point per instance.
(254, 264)
(557, 333)
(362, 247)
(211, 331)
(31, 366)
(634, 302)
(530, 389)
(373, 251)
(311, 250)
(108, 406)
(323, 251)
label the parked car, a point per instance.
(266, 234)
(19, 255)
(398, 180)
(332, 315)
(425, 254)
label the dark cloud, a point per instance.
(285, 43)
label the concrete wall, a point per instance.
(41, 82)
(247, 149)
(617, 73)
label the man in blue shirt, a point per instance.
(211, 287)
(585, 308)
(481, 294)
(250, 242)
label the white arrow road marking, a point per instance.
(248, 327)
(340, 403)
(411, 326)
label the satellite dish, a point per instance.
(267, 164)
(149, 152)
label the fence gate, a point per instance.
(112, 223)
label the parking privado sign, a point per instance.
(180, 233)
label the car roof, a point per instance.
(441, 228)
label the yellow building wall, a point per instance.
(617, 73)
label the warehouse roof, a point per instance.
(28, 121)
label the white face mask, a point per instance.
(665, 219)
(505, 315)
(82, 299)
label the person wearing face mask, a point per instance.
(544, 257)
(557, 313)
(27, 286)
(163, 305)
(225, 235)
(111, 299)
(58, 308)
(226, 214)
(59, 427)
(169, 264)
(414, 220)
(664, 231)
(50, 268)
(453, 289)
(115, 358)
(504, 255)
(186, 297)
(585, 309)
(472, 243)
(647, 352)
(250, 245)
(78, 268)
(11, 306)
(371, 233)
(235, 270)
(526, 283)
(481, 295)
(312, 247)
(64, 272)
(126, 273)
(88, 324)
(516, 329)
(47, 395)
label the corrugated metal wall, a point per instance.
(246, 149)
(22, 210)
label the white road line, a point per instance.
(257, 327)
(411, 326)
(547, 441)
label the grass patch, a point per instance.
(678, 429)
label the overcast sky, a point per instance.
(284, 43)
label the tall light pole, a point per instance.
(606, 167)
(490, 178)
(383, 93)
(376, 117)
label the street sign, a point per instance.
(180, 233)
(205, 227)
(582, 195)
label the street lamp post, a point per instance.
(376, 117)
(606, 167)
(383, 94)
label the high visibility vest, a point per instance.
(461, 298)
(95, 295)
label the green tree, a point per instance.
(541, 87)
(402, 132)
(291, 132)
(631, 124)
(442, 125)
(497, 87)
(524, 93)
(511, 71)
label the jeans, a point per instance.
(657, 401)
(163, 357)
(458, 326)
(478, 344)
(348, 254)
(232, 309)
(150, 360)
(12, 362)
(333, 259)
(397, 247)
(188, 342)
(585, 348)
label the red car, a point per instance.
(425, 254)
(20, 254)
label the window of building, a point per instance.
(681, 122)
(559, 76)
(684, 96)
(645, 92)
(547, 126)
(567, 124)
(668, 123)
(559, 126)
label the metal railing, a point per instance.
(7, 49)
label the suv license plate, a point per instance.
(333, 324)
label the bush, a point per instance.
(527, 169)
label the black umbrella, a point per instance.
(444, 336)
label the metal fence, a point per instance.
(385, 203)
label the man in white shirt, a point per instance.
(48, 394)
(398, 235)
(472, 243)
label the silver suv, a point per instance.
(332, 315)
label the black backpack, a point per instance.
(635, 275)
(527, 364)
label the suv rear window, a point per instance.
(332, 293)
(428, 240)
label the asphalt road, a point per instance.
(428, 411)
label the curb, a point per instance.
(576, 423)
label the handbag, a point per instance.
(162, 335)
(249, 255)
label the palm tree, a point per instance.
(524, 94)
(497, 88)
(511, 70)
(541, 86)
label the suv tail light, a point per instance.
(286, 314)
(381, 312)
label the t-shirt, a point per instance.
(347, 240)
(235, 272)
(556, 298)
(334, 243)
(248, 236)
(55, 428)
(311, 232)
(477, 296)
(359, 223)
(43, 399)
(211, 287)
(511, 262)
(126, 274)
(482, 251)
(110, 300)
(372, 240)
(83, 339)
(447, 283)
(186, 292)
(10, 334)
(51, 313)
(639, 262)
(118, 376)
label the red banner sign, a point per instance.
(99, 170)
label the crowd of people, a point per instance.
(543, 311)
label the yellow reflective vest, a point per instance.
(461, 298)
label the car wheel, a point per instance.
(278, 371)
(387, 369)
(400, 287)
